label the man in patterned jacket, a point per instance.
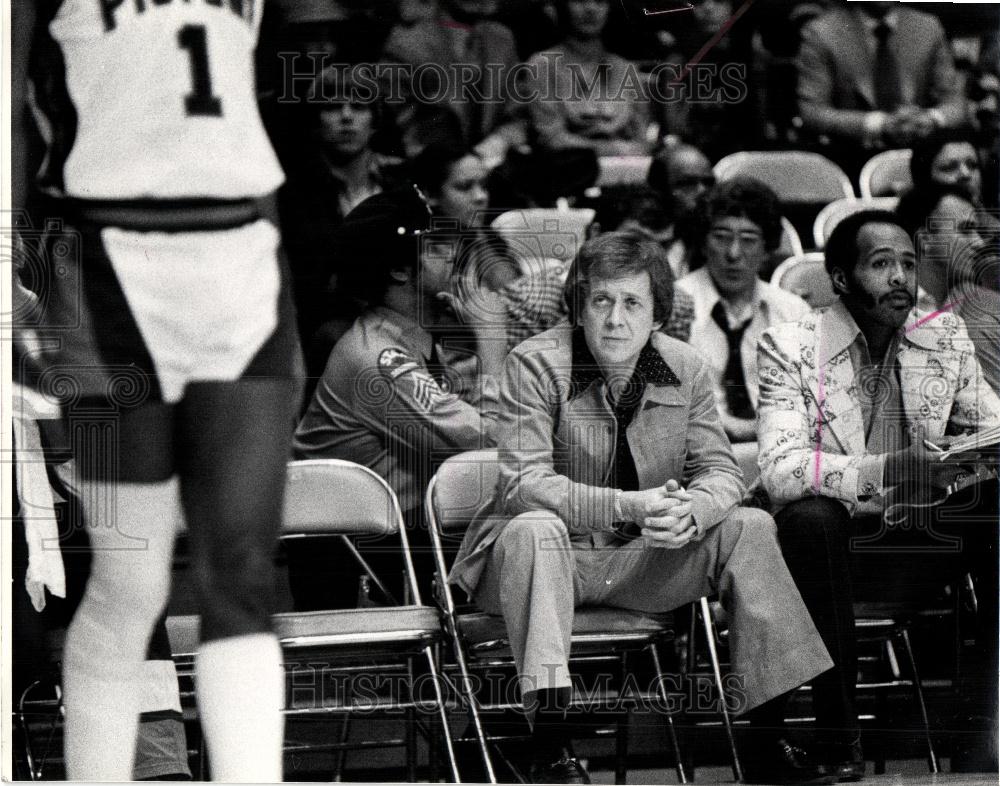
(853, 400)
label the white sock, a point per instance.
(241, 692)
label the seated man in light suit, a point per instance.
(619, 488)
(848, 396)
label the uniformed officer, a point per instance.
(394, 396)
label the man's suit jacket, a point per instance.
(811, 429)
(557, 433)
(837, 76)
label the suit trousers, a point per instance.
(836, 560)
(536, 575)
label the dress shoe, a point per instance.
(847, 760)
(564, 769)
(780, 762)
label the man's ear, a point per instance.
(400, 275)
(840, 283)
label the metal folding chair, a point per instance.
(886, 174)
(327, 497)
(835, 212)
(806, 276)
(463, 485)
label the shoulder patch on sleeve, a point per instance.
(394, 362)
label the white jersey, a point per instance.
(164, 100)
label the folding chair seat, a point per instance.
(329, 497)
(623, 170)
(462, 485)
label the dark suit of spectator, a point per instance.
(844, 86)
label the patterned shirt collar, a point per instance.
(650, 368)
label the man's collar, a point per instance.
(890, 18)
(839, 331)
(410, 332)
(756, 300)
(650, 368)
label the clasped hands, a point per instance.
(663, 513)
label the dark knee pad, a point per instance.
(235, 587)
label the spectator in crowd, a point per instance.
(958, 263)
(859, 369)
(455, 182)
(877, 75)
(681, 174)
(385, 398)
(582, 95)
(647, 520)
(335, 169)
(440, 109)
(719, 91)
(947, 161)
(737, 226)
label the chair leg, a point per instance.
(661, 688)
(621, 726)
(932, 760)
(709, 627)
(340, 757)
(449, 745)
(468, 694)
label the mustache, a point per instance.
(895, 293)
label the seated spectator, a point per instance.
(876, 75)
(335, 169)
(958, 263)
(454, 180)
(647, 520)
(719, 91)
(947, 161)
(385, 398)
(845, 414)
(680, 174)
(459, 34)
(583, 96)
(737, 225)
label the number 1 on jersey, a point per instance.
(200, 100)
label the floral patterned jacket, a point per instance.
(811, 429)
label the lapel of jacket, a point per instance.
(833, 387)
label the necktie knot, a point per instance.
(882, 32)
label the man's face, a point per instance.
(345, 128)
(690, 177)
(734, 253)
(617, 319)
(884, 281)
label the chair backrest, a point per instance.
(623, 170)
(806, 276)
(886, 174)
(544, 237)
(791, 245)
(831, 215)
(332, 496)
(795, 176)
(462, 485)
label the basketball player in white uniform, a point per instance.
(179, 373)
